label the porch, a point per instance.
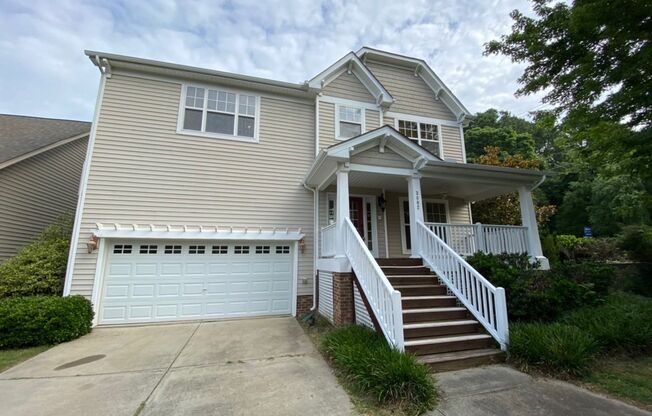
(379, 195)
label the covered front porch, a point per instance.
(385, 186)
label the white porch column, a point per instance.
(529, 220)
(341, 207)
(416, 211)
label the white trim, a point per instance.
(347, 102)
(366, 198)
(236, 113)
(317, 126)
(295, 276)
(98, 279)
(185, 232)
(74, 241)
(429, 120)
(380, 169)
(337, 120)
(385, 225)
(440, 138)
(463, 144)
(40, 150)
(401, 212)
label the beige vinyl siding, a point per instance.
(457, 208)
(36, 192)
(142, 171)
(326, 125)
(452, 143)
(388, 158)
(388, 121)
(372, 119)
(348, 86)
(411, 94)
(354, 191)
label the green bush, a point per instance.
(40, 267)
(43, 320)
(581, 248)
(622, 324)
(537, 295)
(553, 348)
(637, 241)
(372, 367)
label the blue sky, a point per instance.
(44, 71)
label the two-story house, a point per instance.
(209, 195)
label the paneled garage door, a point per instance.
(151, 281)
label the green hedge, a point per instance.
(43, 320)
(40, 267)
(372, 367)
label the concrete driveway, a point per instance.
(241, 367)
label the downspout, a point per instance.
(536, 185)
(315, 249)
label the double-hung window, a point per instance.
(220, 113)
(349, 122)
(424, 134)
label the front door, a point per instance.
(356, 213)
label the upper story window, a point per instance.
(219, 113)
(424, 134)
(349, 122)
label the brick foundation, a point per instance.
(343, 305)
(304, 303)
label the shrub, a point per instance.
(552, 348)
(622, 324)
(43, 320)
(372, 367)
(596, 249)
(40, 267)
(599, 276)
(637, 241)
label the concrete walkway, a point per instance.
(240, 367)
(502, 391)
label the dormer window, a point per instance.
(349, 122)
(219, 113)
(424, 134)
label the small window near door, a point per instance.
(331, 211)
(262, 249)
(196, 249)
(435, 212)
(172, 250)
(220, 250)
(369, 227)
(282, 249)
(122, 249)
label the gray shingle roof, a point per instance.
(23, 134)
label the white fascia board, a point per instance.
(351, 60)
(154, 233)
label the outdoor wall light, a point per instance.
(302, 245)
(92, 243)
(382, 202)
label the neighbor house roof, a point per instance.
(22, 135)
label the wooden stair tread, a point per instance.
(459, 355)
(416, 286)
(443, 309)
(435, 324)
(447, 338)
(417, 297)
(400, 276)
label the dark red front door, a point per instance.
(355, 213)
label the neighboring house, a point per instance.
(213, 195)
(41, 161)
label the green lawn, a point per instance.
(627, 378)
(9, 358)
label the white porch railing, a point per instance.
(485, 301)
(328, 240)
(467, 239)
(382, 297)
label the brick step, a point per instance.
(413, 280)
(458, 360)
(448, 343)
(416, 290)
(427, 301)
(438, 328)
(410, 270)
(434, 314)
(399, 261)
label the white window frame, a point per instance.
(203, 133)
(401, 202)
(372, 199)
(421, 120)
(363, 121)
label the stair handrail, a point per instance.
(485, 301)
(384, 300)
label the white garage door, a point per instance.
(148, 281)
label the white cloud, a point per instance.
(45, 72)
